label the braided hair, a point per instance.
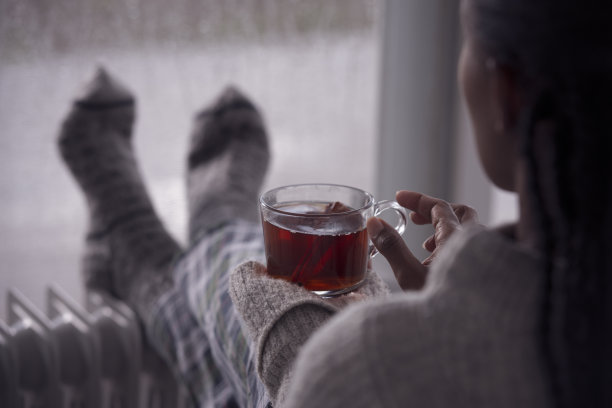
(562, 53)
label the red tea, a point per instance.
(319, 253)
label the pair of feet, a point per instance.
(128, 252)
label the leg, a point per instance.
(128, 251)
(203, 276)
(227, 163)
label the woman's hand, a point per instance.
(446, 219)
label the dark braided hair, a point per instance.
(562, 53)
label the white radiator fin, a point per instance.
(80, 357)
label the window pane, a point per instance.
(311, 66)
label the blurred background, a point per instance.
(357, 92)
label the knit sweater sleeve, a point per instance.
(280, 317)
(338, 365)
(333, 356)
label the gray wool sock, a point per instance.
(128, 250)
(104, 105)
(227, 163)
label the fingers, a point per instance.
(444, 221)
(419, 219)
(438, 212)
(446, 218)
(422, 205)
(430, 243)
(465, 213)
(408, 270)
(432, 210)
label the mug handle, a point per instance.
(385, 205)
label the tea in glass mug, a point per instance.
(315, 235)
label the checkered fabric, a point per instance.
(196, 328)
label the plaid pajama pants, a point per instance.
(198, 331)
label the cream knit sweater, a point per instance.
(469, 339)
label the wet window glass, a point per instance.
(310, 65)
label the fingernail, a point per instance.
(375, 226)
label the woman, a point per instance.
(519, 316)
(512, 317)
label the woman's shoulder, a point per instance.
(478, 251)
(488, 275)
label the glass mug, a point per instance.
(315, 235)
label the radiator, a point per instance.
(80, 356)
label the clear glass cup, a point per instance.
(315, 235)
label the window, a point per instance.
(311, 66)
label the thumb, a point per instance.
(409, 271)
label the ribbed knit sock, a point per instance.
(128, 250)
(227, 163)
(108, 105)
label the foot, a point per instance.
(127, 243)
(227, 163)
